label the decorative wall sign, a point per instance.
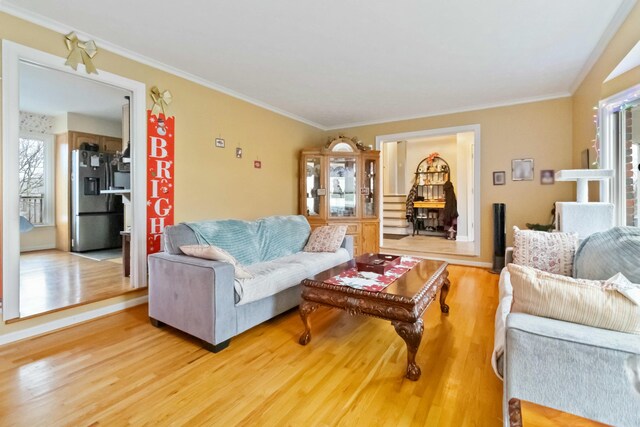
(219, 142)
(80, 52)
(257, 164)
(160, 177)
(238, 153)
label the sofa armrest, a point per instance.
(347, 243)
(194, 295)
(508, 255)
(575, 368)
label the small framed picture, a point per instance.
(499, 178)
(238, 153)
(547, 177)
(522, 170)
(219, 142)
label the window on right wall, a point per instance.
(620, 151)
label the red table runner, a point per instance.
(373, 282)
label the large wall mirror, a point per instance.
(74, 190)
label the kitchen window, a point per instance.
(36, 182)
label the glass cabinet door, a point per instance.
(313, 186)
(370, 188)
(342, 187)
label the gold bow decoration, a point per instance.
(80, 52)
(160, 100)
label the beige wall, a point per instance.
(417, 150)
(210, 182)
(95, 125)
(592, 89)
(539, 130)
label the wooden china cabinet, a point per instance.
(340, 185)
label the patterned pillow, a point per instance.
(550, 252)
(588, 302)
(327, 238)
(216, 254)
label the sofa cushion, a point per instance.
(551, 252)
(588, 302)
(601, 255)
(217, 254)
(326, 238)
(254, 241)
(280, 236)
(273, 276)
(235, 236)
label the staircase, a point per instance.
(394, 213)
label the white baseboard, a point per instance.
(460, 238)
(71, 320)
(37, 248)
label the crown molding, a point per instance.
(477, 107)
(618, 19)
(61, 28)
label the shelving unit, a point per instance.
(431, 174)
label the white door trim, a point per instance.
(12, 54)
(475, 128)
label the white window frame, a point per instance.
(611, 155)
(49, 199)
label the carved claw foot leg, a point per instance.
(411, 333)
(306, 308)
(443, 294)
(515, 413)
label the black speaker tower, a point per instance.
(499, 237)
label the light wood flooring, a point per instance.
(428, 245)
(51, 280)
(119, 370)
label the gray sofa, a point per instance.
(202, 297)
(587, 371)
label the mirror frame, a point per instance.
(12, 55)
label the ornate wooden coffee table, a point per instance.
(403, 302)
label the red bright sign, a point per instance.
(160, 196)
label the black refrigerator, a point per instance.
(96, 218)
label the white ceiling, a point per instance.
(336, 62)
(51, 92)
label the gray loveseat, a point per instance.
(202, 297)
(587, 371)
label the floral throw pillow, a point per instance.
(550, 252)
(327, 238)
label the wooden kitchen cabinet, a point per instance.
(107, 144)
(76, 139)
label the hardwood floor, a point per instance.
(51, 280)
(119, 370)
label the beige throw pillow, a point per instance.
(589, 302)
(550, 252)
(327, 238)
(216, 254)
